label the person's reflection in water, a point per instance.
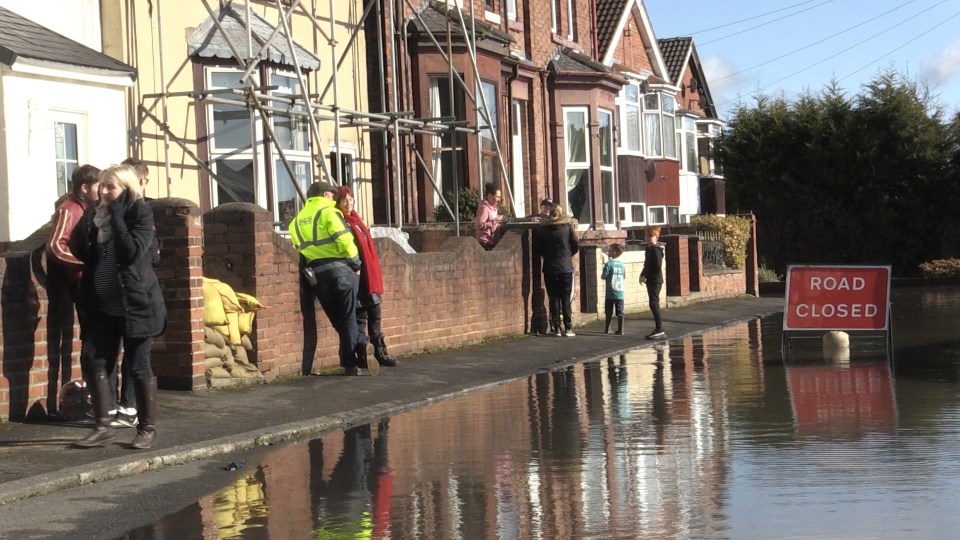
(661, 414)
(357, 497)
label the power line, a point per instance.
(750, 18)
(831, 57)
(814, 43)
(766, 23)
(904, 44)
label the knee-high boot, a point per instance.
(146, 390)
(620, 325)
(380, 351)
(102, 401)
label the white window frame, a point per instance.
(570, 165)
(668, 123)
(657, 215)
(608, 194)
(512, 10)
(623, 104)
(437, 150)
(652, 113)
(628, 210)
(70, 163)
(216, 153)
(300, 160)
(571, 23)
(554, 16)
(517, 154)
(687, 135)
(489, 131)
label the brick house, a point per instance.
(585, 104)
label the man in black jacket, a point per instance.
(652, 276)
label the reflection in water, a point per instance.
(707, 436)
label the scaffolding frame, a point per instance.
(314, 109)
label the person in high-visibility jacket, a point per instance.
(331, 262)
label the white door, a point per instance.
(517, 157)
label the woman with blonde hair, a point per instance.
(122, 299)
(557, 243)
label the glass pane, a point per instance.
(691, 151)
(609, 209)
(576, 137)
(669, 104)
(487, 134)
(578, 194)
(64, 172)
(632, 93)
(231, 124)
(633, 128)
(66, 138)
(288, 201)
(651, 103)
(606, 140)
(292, 131)
(688, 123)
(490, 169)
(235, 181)
(651, 134)
(669, 136)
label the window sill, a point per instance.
(516, 26)
(491, 17)
(563, 40)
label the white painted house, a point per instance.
(62, 104)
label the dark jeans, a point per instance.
(653, 293)
(106, 333)
(368, 322)
(559, 289)
(338, 298)
(612, 304)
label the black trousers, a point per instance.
(368, 322)
(106, 333)
(338, 298)
(653, 293)
(559, 290)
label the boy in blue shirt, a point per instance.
(613, 275)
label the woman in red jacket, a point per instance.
(371, 280)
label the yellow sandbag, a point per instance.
(233, 327)
(245, 341)
(221, 329)
(246, 322)
(213, 312)
(248, 302)
(212, 351)
(227, 295)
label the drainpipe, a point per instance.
(547, 115)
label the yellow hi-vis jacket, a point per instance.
(323, 237)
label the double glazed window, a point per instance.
(67, 154)
(577, 164)
(489, 136)
(447, 148)
(240, 159)
(648, 123)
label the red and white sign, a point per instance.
(837, 298)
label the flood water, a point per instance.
(708, 436)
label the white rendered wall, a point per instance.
(689, 194)
(78, 20)
(28, 181)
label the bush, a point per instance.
(768, 275)
(467, 200)
(940, 268)
(733, 232)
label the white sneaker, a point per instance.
(559, 333)
(569, 333)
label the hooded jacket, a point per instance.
(557, 243)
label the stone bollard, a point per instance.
(836, 346)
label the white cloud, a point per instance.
(942, 67)
(719, 73)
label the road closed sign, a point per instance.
(837, 298)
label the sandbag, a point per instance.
(217, 373)
(250, 305)
(213, 337)
(212, 351)
(233, 328)
(221, 329)
(213, 312)
(227, 295)
(245, 342)
(213, 362)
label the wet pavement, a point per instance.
(36, 458)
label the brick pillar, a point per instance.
(678, 265)
(696, 263)
(752, 270)
(178, 353)
(244, 251)
(589, 274)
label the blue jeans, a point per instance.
(338, 298)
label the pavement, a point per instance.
(36, 458)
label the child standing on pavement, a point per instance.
(652, 276)
(613, 275)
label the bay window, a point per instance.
(608, 200)
(489, 136)
(629, 107)
(577, 164)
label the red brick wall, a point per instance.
(678, 265)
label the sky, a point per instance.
(788, 47)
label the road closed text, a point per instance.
(837, 298)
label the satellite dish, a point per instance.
(650, 171)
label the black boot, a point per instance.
(146, 390)
(607, 328)
(101, 395)
(380, 352)
(620, 325)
